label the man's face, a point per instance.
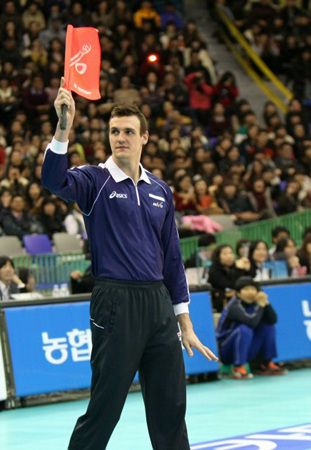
(125, 138)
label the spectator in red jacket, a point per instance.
(200, 96)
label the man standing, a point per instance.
(139, 274)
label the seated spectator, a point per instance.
(246, 330)
(286, 161)
(278, 233)
(5, 201)
(272, 181)
(286, 250)
(34, 197)
(16, 183)
(289, 201)
(169, 15)
(78, 16)
(174, 91)
(304, 253)
(151, 93)
(196, 53)
(204, 254)
(54, 30)
(10, 283)
(206, 203)
(184, 196)
(32, 13)
(191, 32)
(9, 100)
(247, 144)
(219, 123)
(16, 221)
(242, 248)
(35, 100)
(258, 255)
(81, 283)
(126, 93)
(147, 13)
(289, 12)
(220, 149)
(260, 199)
(236, 204)
(226, 92)
(262, 13)
(232, 158)
(223, 274)
(74, 223)
(103, 16)
(28, 278)
(51, 217)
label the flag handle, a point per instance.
(63, 117)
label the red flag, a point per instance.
(82, 61)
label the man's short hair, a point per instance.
(129, 109)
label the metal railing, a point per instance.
(295, 222)
(52, 268)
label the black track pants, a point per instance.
(134, 328)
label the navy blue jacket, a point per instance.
(237, 312)
(131, 229)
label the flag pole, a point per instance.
(63, 117)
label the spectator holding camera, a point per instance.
(200, 96)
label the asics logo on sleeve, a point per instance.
(116, 195)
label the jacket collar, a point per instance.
(118, 175)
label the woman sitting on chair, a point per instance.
(223, 274)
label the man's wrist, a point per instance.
(185, 322)
(59, 147)
(61, 135)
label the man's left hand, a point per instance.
(190, 340)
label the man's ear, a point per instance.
(145, 137)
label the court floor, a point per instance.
(216, 410)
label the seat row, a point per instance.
(36, 244)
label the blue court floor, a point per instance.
(216, 410)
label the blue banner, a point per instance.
(51, 344)
(292, 303)
(50, 347)
(202, 318)
(3, 393)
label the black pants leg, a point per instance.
(162, 378)
(126, 317)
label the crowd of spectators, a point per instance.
(218, 154)
(280, 33)
(224, 265)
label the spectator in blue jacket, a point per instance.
(246, 330)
